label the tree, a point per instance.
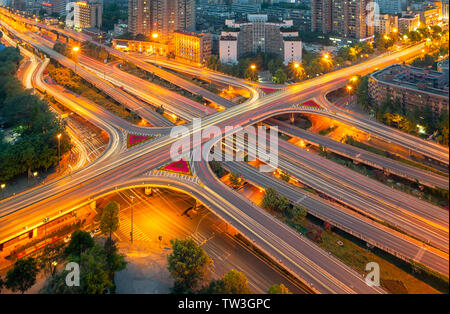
(285, 176)
(114, 260)
(297, 213)
(273, 201)
(217, 168)
(279, 289)
(233, 282)
(315, 233)
(96, 272)
(80, 241)
(95, 276)
(109, 222)
(235, 180)
(50, 257)
(327, 226)
(62, 48)
(280, 76)
(362, 92)
(188, 265)
(23, 275)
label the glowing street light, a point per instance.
(253, 67)
(155, 35)
(326, 56)
(395, 30)
(349, 88)
(75, 50)
(59, 145)
(296, 65)
(3, 186)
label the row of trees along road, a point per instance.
(28, 129)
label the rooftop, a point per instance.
(413, 78)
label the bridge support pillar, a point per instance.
(148, 191)
(292, 118)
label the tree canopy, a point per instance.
(27, 120)
(23, 275)
(188, 264)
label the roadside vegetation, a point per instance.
(190, 267)
(135, 70)
(397, 276)
(68, 79)
(28, 129)
(419, 122)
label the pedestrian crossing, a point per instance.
(125, 229)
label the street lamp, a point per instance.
(253, 67)
(75, 50)
(45, 220)
(155, 37)
(59, 146)
(131, 232)
(3, 186)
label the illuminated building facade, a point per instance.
(191, 46)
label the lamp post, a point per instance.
(59, 146)
(35, 177)
(45, 220)
(131, 232)
(75, 50)
(155, 37)
(349, 90)
(3, 186)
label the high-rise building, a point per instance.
(172, 15)
(163, 17)
(58, 6)
(343, 18)
(139, 17)
(445, 10)
(88, 14)
(257, 33)
(392, 6)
